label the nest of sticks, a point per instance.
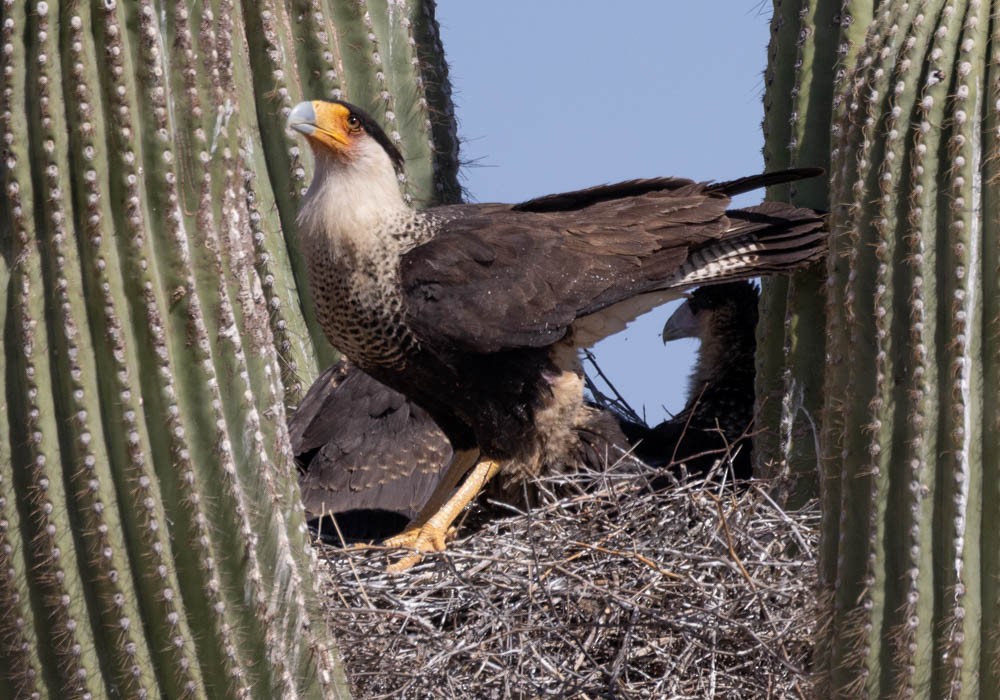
(606, 590)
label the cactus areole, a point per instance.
(476, 312)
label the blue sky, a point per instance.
(553, 96)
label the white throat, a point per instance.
(349, 202)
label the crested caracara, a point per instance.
(476, 312)
(716, 422)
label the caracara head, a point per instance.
(731, 306)
(724, 318)
(344, 133)
(356, 180)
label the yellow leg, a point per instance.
(428, 535)
(461, 463)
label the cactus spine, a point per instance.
(155, 325)
(907, 438)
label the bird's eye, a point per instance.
(353, 122)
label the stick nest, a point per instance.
(698, 591)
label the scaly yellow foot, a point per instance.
(425, 538)
(428, 534)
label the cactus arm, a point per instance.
(809, 41)
(798, 51)
(417, 78)
(860, 481)
(963, 49)
(68, 660)
(403, 96)
(808, 145)
(908, 445)
(989, 659)
(25, 575)
(151, 535)
(436, 107)
(899, 403)
(855, 18)
(386, 70)
(772, 350)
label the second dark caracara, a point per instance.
(369, 458)
(715, 424)
(476, 312)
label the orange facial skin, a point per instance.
(327, 125)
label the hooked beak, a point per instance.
(681, 324)
(322, 123)
(303, 118)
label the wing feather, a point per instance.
(500, 277)
(497, 278)
(364, 446)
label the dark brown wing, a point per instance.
(498, 277)
(363, 446)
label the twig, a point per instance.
(610, 592)
(619, 404)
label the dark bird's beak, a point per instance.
(303, 118)
(682, 324)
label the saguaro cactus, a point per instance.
(909, 409)
(154, 327)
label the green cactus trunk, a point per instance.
(909, 414)
(155, 326)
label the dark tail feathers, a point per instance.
(731, 188)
